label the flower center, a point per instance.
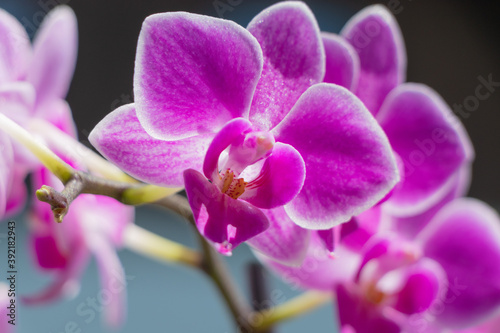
(231, 186)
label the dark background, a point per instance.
(449, 44)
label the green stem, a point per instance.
(150, 244)
(51, 161)
(301, 304)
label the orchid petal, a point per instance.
(429, 140)
(223, 220)
(318, 270)
(294, 59)
(362, 315)
(112, 279)
(66, 282)
(55, 50)
(464, 238)
(424, 282)
(193, 74)
(15, 49)
(342, 62)
(58, 113)
(231, 132)
(375, 35)
(284, 241)
(349, 163)
(280, 179)
(121, 139)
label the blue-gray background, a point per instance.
(449, 43)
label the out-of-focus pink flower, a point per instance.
(445, 278)
(369, 58)
(249, 103)
(33, 83)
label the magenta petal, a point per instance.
(225, 221)
(284, 241)
(342, 62)
(429, 140)
(193, 74)
(318, 270)
(361, 315)
(424, 283)
(280, 179)
(66, 282)
(17, 100)
(375, 35)
(55, 50)
(112, 279)
(464, 238)
(15, 53)
(231, 131)
(349, 163)
(17, 193)
(294, 59)
(121, 139)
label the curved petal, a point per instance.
(360, 314)
(294, 59)
(121, 139)
(66, 282)
(430, 141)
(193, 74)
(410, 226)
(424, 283)
(112, 278)
(223, 220)
(15, 53)
(464, 238)
(58, 113)
(319, 270)
(342, 62)
(375, 35)
(55, 50)
(349, 163)
(284, 241)
(280, 179)
(232, 131)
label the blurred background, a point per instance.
(450, 44)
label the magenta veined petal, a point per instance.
(430, 141)
(54, 52)
(464, 238)
(280, 179)
(122, 140)
(225, 221)
(375, 35)
(193, 74)
(284, 241)
(16, 49)
(294, 59)
(349, 163)
(342, 62)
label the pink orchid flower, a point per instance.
(33, 83)
(248, 109)
(444, 279)
(432, 148)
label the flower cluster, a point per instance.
(307, 145)
(33, 83)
